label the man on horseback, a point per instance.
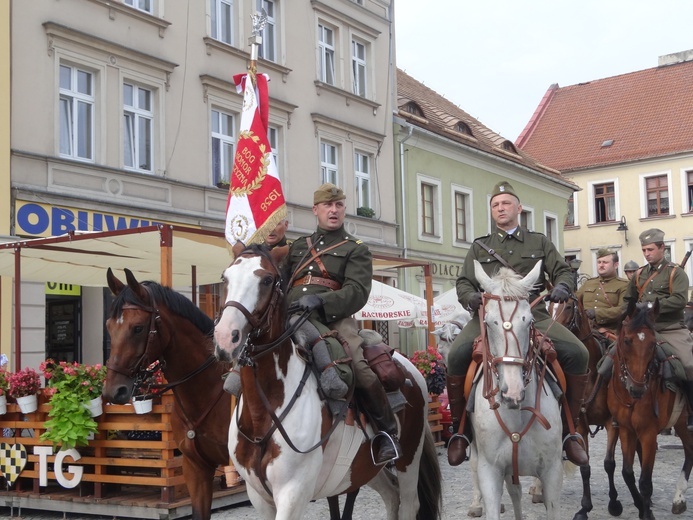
(277, 237)
(667, 282)
(630, 268)
(602, 296)
(332, 273)
(512, 246)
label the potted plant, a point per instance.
(75, 397)
(365, 211)
(4, 387)
(24, 385)
(148, 388)
(430, 363)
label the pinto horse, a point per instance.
(642, 406)
(283, 439)
(516, 417)
(150, 323)
(571, 315)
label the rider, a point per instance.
(333, 286)
(667, 282)
(630, 269)
(519, 248)
(602, 296)
(277, 237)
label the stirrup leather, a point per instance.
(388, 438)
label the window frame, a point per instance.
(139, 114)
(436, 211)
(131, 3)
(687, 191)
(75, 98)
(549, 215)
(644, 206)
(361, 177)
(357, 63)
(528, 211)
(325, 170)
(269, 29)
(218, 178)
(576, 218)
(591, 201)
(327, 49)
(469, 214)
(216, 19)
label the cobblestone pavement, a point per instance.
(457, 491)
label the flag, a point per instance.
(256, 201)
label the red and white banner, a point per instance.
(256, 201)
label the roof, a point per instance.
(647, 114)
(442, 117)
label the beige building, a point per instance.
(124, 113)
(627, 141)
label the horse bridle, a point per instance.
(626, 377)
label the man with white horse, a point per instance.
(331, 274)
(511, 245)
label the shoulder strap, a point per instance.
(495, 255)
(641, 288)
(315, 255)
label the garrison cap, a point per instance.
(504, 187)
(604, 252)
(631, 266)
(328, 193)
(651, 236)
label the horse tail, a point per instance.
(429, 487)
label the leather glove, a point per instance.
(591, 313)
(306, 303)
(560, 293)
(474, 302)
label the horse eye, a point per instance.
(268, 280)
(139, 329)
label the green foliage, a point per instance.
(4, 381)
(365, 212)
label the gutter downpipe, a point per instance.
(410, 132)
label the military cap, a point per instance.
(651, 236)
(604, 252)
(631, 266)
(328, 193)
(504, 187)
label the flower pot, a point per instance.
(3, 404)
(28, 403)
(95, 406)
(142, 405)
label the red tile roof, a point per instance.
(647, 114)
(441, 117)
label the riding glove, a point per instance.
(306, 303)
(474, 302)
(560, 293)
(591, 313)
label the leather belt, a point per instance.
(317, 280)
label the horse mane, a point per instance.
(507, 283)
(641, 318)
(174, 301)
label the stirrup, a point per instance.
(576, 437)
(394, 447)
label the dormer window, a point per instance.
(413, 109)
(463, 128)
(509, 147)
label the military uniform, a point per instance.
(605, 296)
(283, 242)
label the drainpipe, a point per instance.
(410, 131)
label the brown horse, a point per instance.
(643, 406)
(283, 439)
(571, 315)
(150, 323)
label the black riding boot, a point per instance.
(458, 443)
(688, 390)
(574, 445)
(378, 409)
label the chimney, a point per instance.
(677, 57)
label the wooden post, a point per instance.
(166, 255)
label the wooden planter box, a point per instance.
(434, 418)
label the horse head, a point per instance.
(507, 316)
(253, 310)
(636, 346)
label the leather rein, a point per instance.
(626, 377)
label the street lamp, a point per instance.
(623, 227)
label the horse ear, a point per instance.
(655, 308)
(237, 249)
(279, 253)
(114, 284)
(532, 277)
(135, 285)
(481, 276)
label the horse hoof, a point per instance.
(615, 508)
(678, 507)
(475, 512)
(537, 499)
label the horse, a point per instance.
(521, 434)
(448, 331)
(571, 315)
(283, 438)
(150, 323)
(642, 406)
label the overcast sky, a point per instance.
(495, 59)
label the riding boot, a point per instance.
(573, 444)
(458, 443)
(378, 409)
(688, 391)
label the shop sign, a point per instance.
(445, 270)
(63, 289)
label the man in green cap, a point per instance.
(602, 296)
(667, 282)
(331, 278)
(630, 269)
(520, 249)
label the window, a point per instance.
(429, 206)
(223, 142)
(222, 20)
(570, 215)
(413, 109)
(326, 49)
(463, 128)
(358, 67)
(689, 191)
(461, 222)
(273, 138)
(328, 163)
(551, 228)
(362, 172)
(604, 202)
(76, 113)
(140, 5)
(137, 127)
(268, 49)
(657, 189)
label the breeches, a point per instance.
(572, 354)
(678, 342)
(363, 375)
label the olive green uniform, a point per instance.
(605, 296)
(351, 265)
(521, 250)
(671, 293)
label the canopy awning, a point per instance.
(387, 303)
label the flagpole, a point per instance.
(259, 21)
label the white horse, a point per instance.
(448, 331)
(513, 418)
